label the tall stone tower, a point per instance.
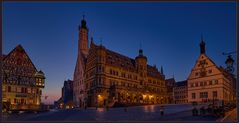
(78, 79)
(83, 38)
(141, 64)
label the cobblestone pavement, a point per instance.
(175, 112)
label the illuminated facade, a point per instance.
(103, 77)
(22, 83)
(207, 82)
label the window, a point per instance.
(3, 88)
(210, 71)
(201, 83)
(28, 90)
(110, 71)
(203, 95)
(214, 93)
(113, 72)
(205, 83)
(191, 84)
(9, 89)
(216, 81)
(123, 75)
(196, 74)
(135, 77)
(141, 83)
(193, 96)
(210, 82)
(196, 84)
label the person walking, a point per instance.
(162, 110)
(125, 109)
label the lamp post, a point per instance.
(229, 61)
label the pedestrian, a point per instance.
(85, 107)
(125, 109)
(107, 107)
(161, 110)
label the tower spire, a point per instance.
(83, 22)
(140, 49)
(202, 46)
(83, 16)
(100, 41)
(161, 70)
(201, 37)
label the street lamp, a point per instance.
(229, 62)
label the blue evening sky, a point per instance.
(170, 33)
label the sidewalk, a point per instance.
(230, 116)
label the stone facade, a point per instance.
(111, 77)
(78, 78)
(170, 83)
(207, 82)
(22, 83)
(180, 92)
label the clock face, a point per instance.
(202, 63)
(203, 72)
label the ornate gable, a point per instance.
(203, 67)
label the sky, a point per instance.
(170, 33)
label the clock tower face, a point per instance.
(202, 63)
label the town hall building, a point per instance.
(104, 77)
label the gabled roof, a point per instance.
(202, 56)
(19, 48)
